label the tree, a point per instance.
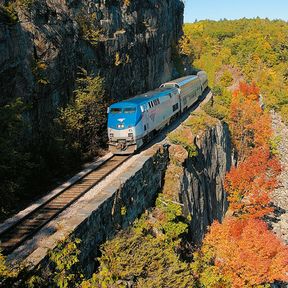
(249, 185)
(84, 120)
(245, 118)
(241, 253)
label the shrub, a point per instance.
(226, 78)
(15, 161)
(146, 254)
(8, 14)
(284, 113)
(184, 138)
(84, 120)
(216, 110)
(198, 122)
(89, 30)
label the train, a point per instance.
(133, 122)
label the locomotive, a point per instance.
(132, 122)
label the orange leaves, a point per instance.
(242, 252)
(249, 185)
(247, 90)
(246, 252)
(250, 126)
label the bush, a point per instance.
(216, 110)
(184, 138)
(217, 90)
(198, 122)
(226, 79)
(15, 161)
(146, 254)
(84, 120)
(284, 113)
(89, 31)
(8, 14)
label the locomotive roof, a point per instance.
(143, 98)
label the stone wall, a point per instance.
(119, 211)
(107, 208)
(40, 55)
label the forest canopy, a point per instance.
(242, 50)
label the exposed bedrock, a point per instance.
(129, 45)
(202, 191)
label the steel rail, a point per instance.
(27, 226)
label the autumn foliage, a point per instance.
(250, 125)
(250, 183)
(244, 253)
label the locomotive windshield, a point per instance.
(129, 110)
(115, 110)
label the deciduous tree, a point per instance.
(241, 253)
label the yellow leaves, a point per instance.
(284, 113)
(117, 59)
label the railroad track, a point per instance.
(27, 226)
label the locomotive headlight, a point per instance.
(120, 126)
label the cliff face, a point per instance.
(129, 43)
(202, 191)
(199, 178)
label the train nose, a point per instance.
(124, 134)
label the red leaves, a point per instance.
(249, 185)
(242, 252)
(246, 252)
(248, 90)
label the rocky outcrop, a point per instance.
(202, 190)
(129, 43)
(279, 221)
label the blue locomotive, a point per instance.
(132, 122)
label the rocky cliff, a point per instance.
(202, 191)
(44, 42)
(196, 180)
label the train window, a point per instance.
(158, 101)
(169, 85)
(129, 110)
(149, 104)
(175, 107)
(115, 110)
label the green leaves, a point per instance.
(64, 258)
(84, 120)
(253, 49)
(145, 254)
